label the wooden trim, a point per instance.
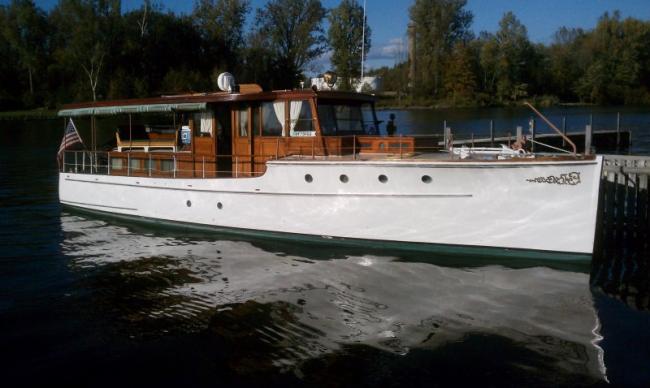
(229, 97)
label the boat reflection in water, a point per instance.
(273, 308)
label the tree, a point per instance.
(507, 59)
(25, 30)
(459, 78)
(439, 24)
(221, 24)
(87, 34)
(293, 32)
(619, 62)
(346, 35)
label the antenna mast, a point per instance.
(363, 40)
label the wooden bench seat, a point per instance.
(146, 144)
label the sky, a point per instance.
(388, 19)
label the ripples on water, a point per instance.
(93, 300)
(276, 312)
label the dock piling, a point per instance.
(588, 135)
(491, 133)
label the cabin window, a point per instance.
(301, 119)
(242, 119)
(117, 163)
(205, 120)
(166, 165)
(346, 119)
(327, 119)
(273, 118)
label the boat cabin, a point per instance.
(232, 134)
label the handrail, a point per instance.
(550, 124)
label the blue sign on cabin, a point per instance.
(186, 135)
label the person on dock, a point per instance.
(390, 126)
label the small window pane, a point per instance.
(301, 120)
(243, 122)
(273, 118)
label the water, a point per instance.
(468, 121)
(93, 300)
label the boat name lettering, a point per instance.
(572, 178)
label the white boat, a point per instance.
(309, 163)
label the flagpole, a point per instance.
(363, 40)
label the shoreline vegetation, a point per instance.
(85, 50)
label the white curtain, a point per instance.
(278, 107)
(294, 115)
(206, 122)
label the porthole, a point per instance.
(219, 205)
(343, 178)
(426, 179)
(309, 178)
(382, 178)
(188, 203)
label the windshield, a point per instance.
(346, 119)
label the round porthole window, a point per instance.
(343, 178)
(188, 203)
(382, 178)
(219, 205)
(309, 178)
(426, 179)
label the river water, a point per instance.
(96, 301)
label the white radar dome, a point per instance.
(226, 82)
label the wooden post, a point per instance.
(174, 164)
(149, 164)
(509, 138)
(532, 128)
(108, 165)
(564, 130)
(491, 133)
(519, 133)
(618, 131)
(588, 134)
(128, 164)
(400, 146)
(447, 138)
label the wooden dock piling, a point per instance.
(621, 262)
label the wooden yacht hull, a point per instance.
(544, 206)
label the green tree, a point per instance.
(565, 61)
(293, 32)
(346, 35)
(25, 29)
(507, 59)
(221, 24)
(619, 61)
(87, 33)
(460, 77)
(439, 24)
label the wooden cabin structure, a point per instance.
(225, 134)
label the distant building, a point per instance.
(370, 84)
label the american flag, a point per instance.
(70, 138)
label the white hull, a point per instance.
(545, 206)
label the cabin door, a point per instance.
(242, 142)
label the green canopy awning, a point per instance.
(120, 109)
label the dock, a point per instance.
(602, 141)
(621, 261)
